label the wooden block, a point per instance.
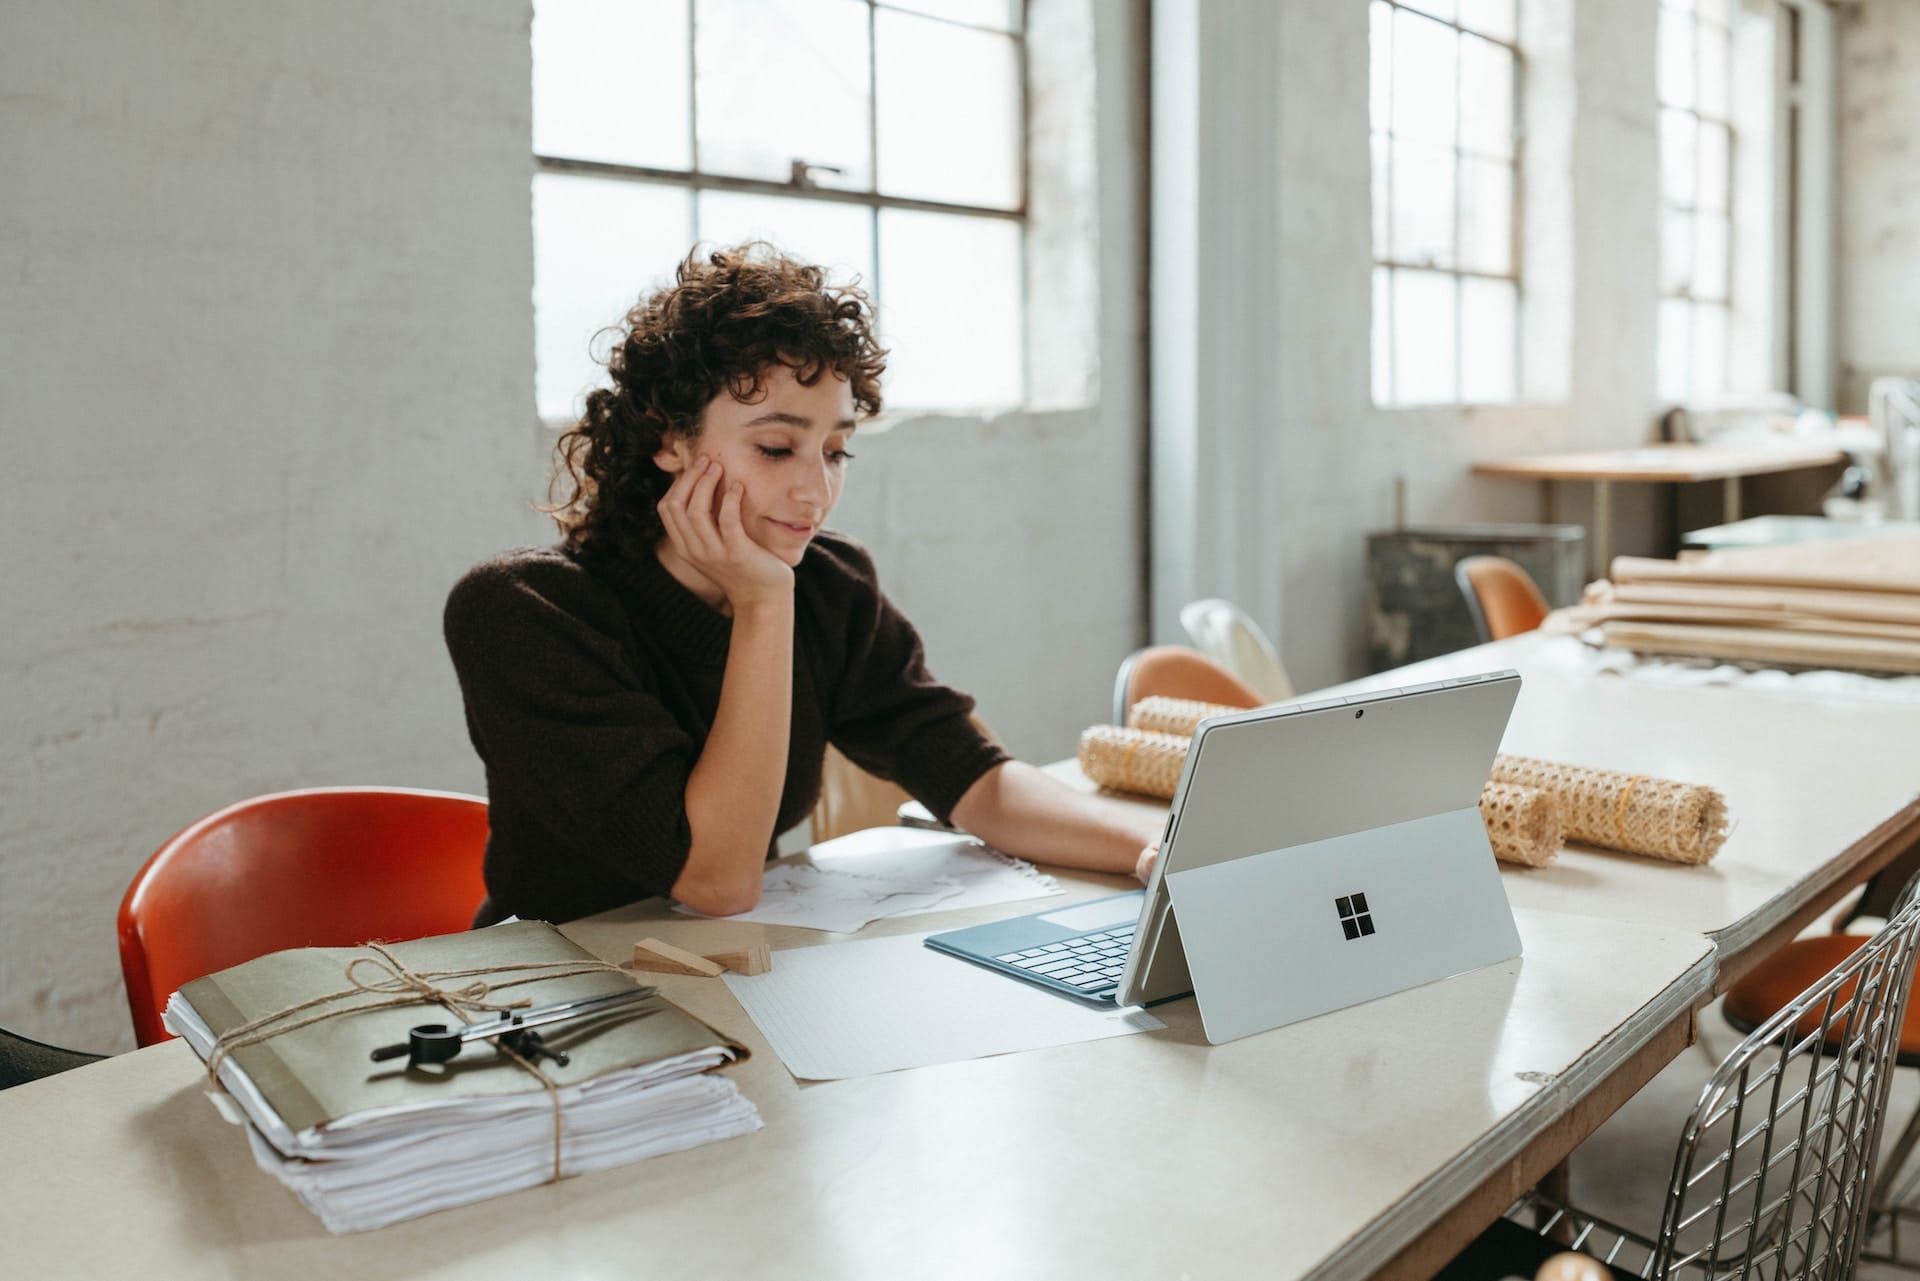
(757, 959)
(664, 958)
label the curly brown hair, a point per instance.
(730, 315)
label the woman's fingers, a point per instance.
(727, 523)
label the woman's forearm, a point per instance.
(1019, 809)
(733, 792)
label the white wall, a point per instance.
(267, 388)
(1879, 195)
(1271, 463)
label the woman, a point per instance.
(653, 697)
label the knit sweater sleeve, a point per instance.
(889, 714)
(586, 768)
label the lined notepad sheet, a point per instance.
(881, 1005)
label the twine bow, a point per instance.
(400, 985)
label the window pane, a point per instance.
(588, 103)
(1488, 17)
(1709, 257)
(780, 81)
(1489, 336)
(1422, 204)
(952, 347)
(837, 237)
(1714, 10)
(1486, 216)
(1382, 336)
(1382, 195)
(597, 246)
(1678, 167)
(1486, 97)
(1438, 8)
(1709, 349)
(1676, 251)
(1001, 15)
(1423, 337)
(1423, 78)
(1676, 346)
(932, 147)
(1380, 68)
(1714, 52)
(1676, 58)
(1715, 182)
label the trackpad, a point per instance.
(1097, 915)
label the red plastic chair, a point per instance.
(1501, 597)
(1175, 671)
(325, 866)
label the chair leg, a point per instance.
(1882, 1212)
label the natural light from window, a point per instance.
(825, 126)
(1696, 190)
(1445, 89)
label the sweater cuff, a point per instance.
(943, 780)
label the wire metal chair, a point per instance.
(1771, 1176)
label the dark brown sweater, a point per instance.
(590, 685)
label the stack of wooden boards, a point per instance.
(1851, 604)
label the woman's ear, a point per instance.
(674, 454)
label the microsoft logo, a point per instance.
(1355, 919)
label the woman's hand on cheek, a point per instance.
(701, 515)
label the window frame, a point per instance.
(694, 179)
(1383, 329)
(1700, 121)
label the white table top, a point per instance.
(1314, 1150)
(1319, 1149)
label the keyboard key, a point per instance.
(1029, 962)
(1091, 981)
(1010, 956)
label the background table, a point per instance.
(1669, 464)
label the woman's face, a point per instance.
(788, 448)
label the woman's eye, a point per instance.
(774, 451)
(839, 455)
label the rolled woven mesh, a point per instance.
(1679, 822)
(1173, 715)
(1523, 823)
(1133, 760)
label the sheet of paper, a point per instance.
(890, 871)
(985, 875)
(880, 1005)
(839, 901)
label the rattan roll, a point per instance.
(1679, 822)
(1133, 760)
(1523, 823)
(1173, 715)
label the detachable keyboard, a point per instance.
(1090, 963)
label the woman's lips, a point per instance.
(798, 531)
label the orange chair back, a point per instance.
(324, 867)
(1174, 671)
(1502, 595)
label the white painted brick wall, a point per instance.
(266, 386)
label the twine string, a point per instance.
(400, 985)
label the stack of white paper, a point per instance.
(435, 1145)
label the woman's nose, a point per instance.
(814, 483)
